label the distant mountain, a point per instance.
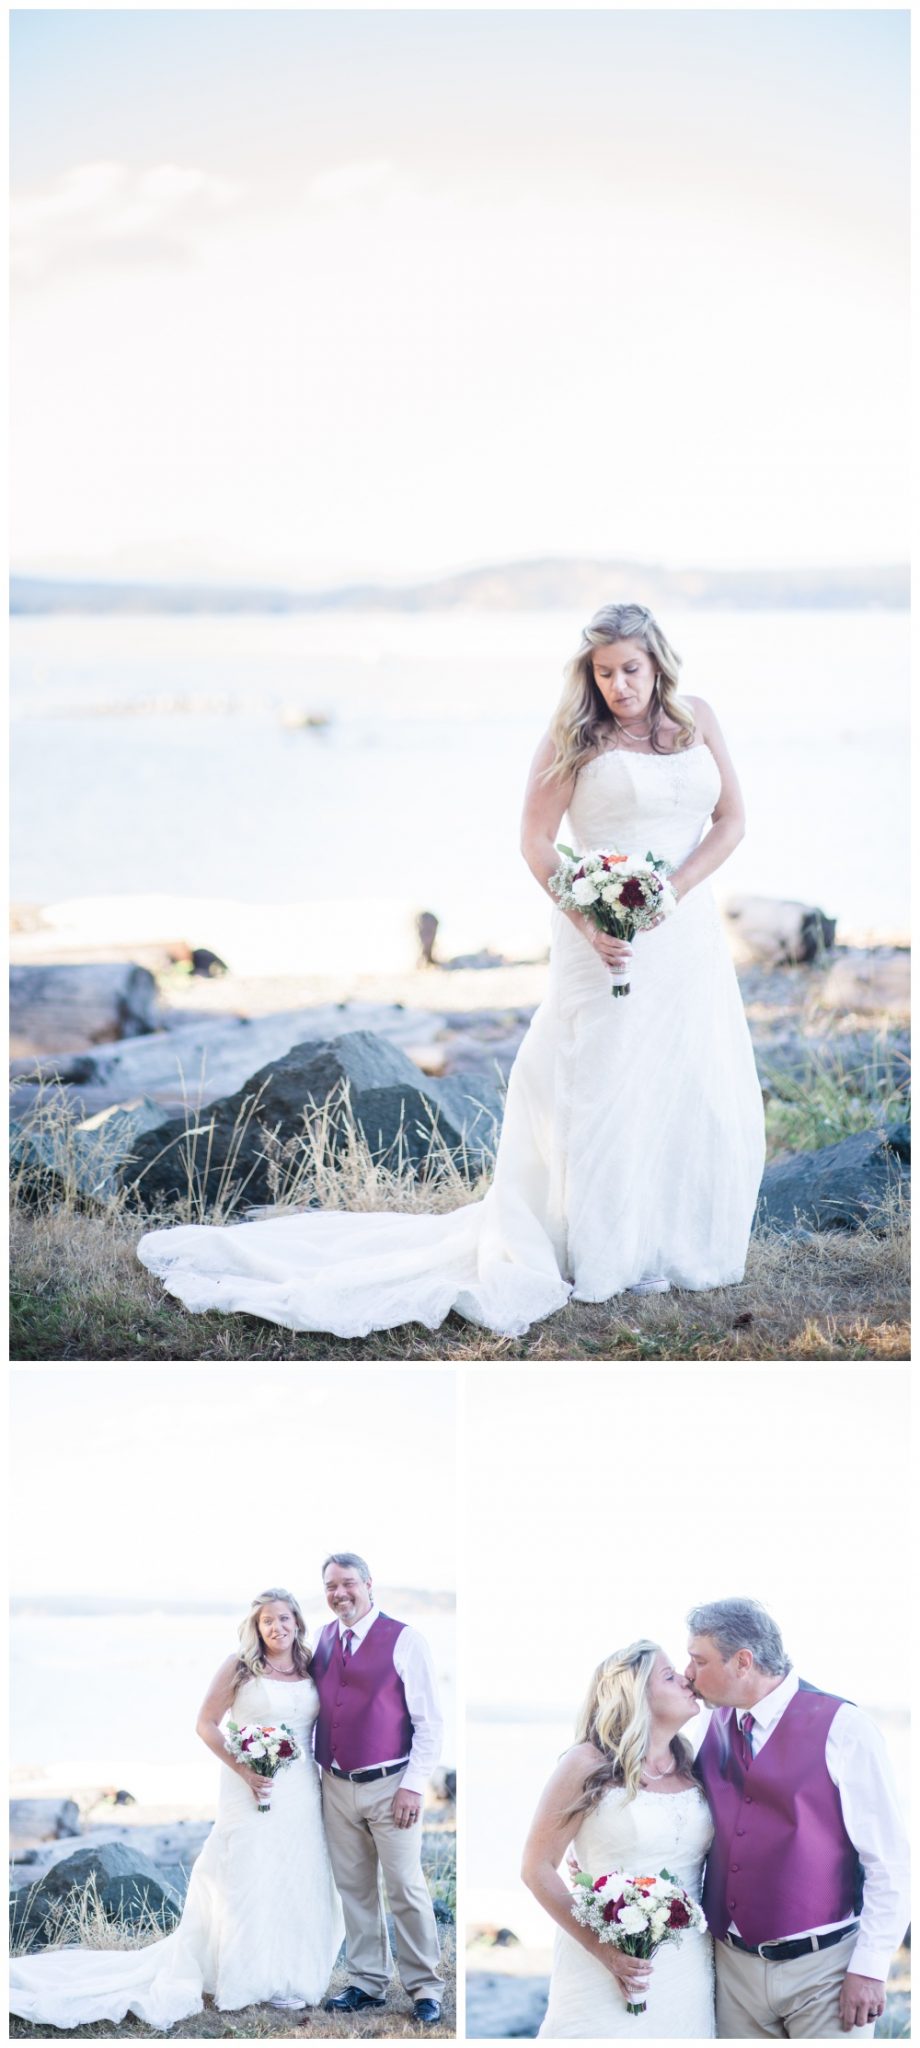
(553, 584)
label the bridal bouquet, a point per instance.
(635, 1914)
(267, 1750)
(619, 892)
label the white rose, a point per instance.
(611, 894)
(632, 1920)
(584, 890)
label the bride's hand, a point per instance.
(631, 1972)
(258, 1786)
(615, 953)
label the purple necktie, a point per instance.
(747, 1751)
(347, 1640)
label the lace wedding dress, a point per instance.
(261, 1920)
(632, 1144)
(655, 1831)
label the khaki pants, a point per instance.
(367, 1847)
(793, 2001)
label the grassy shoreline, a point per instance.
(79, 1292)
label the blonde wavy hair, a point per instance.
(252, 1659)
(582, 723)
(617, 1719)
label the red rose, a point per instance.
(285, 1749)
(631, 894)
(678, 1915)
(612, 1909)
(599, 1886)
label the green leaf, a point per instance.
(568, 852)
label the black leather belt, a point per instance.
(367, 1777)
(786, 1951)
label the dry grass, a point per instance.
(82, 1920)
(79, 1292)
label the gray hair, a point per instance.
(742, 1625)
(346, 1558)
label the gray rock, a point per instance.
(504, 2008)
(88, 1157)
(396, 1107)
(42, 1820)
(65, 1008)
(838, 1187)
(127, 1884)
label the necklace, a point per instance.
(658, 1775)
(636, 737)
(276, 1673)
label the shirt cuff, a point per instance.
(412, 1781)
(867, 1961)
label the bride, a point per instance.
(632, 1145)
(262, 1920)
(625, 1798)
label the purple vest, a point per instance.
(781, 1861)
(363, 1716)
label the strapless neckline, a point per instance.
(623, 753)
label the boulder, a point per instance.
(87, 1159)
(868, 983)
(838, 1187)
(781, 933)
(128, 1886)
(395, 1106)
(65, 1008)
(504, 2008)
(42, 1820)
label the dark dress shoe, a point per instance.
(352, 2000)
(427, 2011)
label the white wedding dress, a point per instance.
(261, 1920)
(655, 1831)
(632, 1144)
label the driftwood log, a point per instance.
(778, 932)
(63, 1008)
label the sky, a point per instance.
(308, 294)
(607, 1514)
(187, 1483)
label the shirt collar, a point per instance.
(768, 1710)
(358, 1628)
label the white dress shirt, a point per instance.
(412, 1661)
(857, 1761)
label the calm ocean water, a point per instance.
(413, 789)
(126, 1688)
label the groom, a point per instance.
(806, 1880)
(377, 1739)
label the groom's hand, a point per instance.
(406, 1808)
(861, 1999)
